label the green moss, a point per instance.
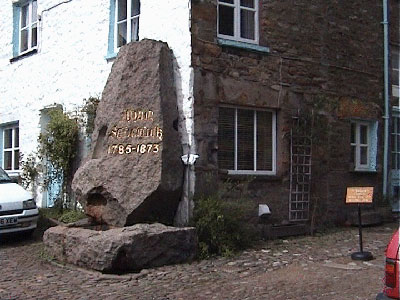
(65, 215)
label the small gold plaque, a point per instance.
(359, 195)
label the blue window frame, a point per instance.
(25, 27)
(124, 24)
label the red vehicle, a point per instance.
(391, 289)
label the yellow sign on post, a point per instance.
(359, 195)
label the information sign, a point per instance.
(359, 195)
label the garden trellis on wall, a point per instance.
(300, 168)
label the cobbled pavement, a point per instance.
(317, 267)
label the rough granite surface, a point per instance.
(133, 173)
(122, 249)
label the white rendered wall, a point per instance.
(70, 64)
(173, 16)
(68, 67)
(169, 21)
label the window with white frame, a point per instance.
(395, 71)
(10, 151)
(28, 26)
(126, 22)
(238, 20)
(363, 145)
(246, 141)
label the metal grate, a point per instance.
(11, 212)
(300, 169)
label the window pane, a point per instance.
(8, 138)
(398, 161)
(225, 20)
(247, 3)
(226, 138)
(363, 134)
(226, 1)
(121, 34)
(34, 11)
(16, 160)
(245, 139)
(363, 155)
(135, 8)
(16, 137)
(121, 10)
(24, 40)
(395, 59)
(398, 125)
(34, 35)
(134, 29)
(247, 24)
(395, 77)
(24, 16)
(7, 160)
(394, 142)
(394, 161)
(264, 141)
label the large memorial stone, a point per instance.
(133, 173)
(120, 250)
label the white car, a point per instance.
(18, 210)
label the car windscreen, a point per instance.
(3, 176)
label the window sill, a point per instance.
(247, 173)
(262, 177)
(14, 173)
(111, 56)
(25, 54)
(364, 171)
(242, 45)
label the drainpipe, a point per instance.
(386, 96)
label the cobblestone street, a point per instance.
(295, 268)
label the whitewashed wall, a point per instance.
(173, 19)
(70, 64)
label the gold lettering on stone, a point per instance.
(120, 132)
(132, 115)
(129, 148)
(126, 132)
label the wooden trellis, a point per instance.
(300, 168)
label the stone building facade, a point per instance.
(293, 60)
(251, 76)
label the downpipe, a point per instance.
(386, 97)
(186, 205)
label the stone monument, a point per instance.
(133, 173)
(121, 250)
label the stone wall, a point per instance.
(324, 56)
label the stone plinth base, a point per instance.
(124, 249)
